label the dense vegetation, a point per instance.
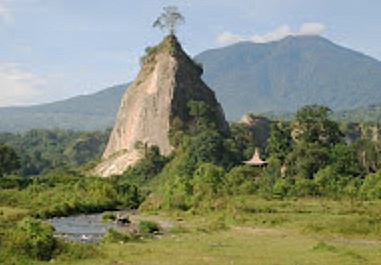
(41, 150)
(306, 158)
(370, 113)
(311, 164)
(42, 175)
(283, 75)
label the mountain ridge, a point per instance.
(286, 74)
(96, 111)
(247, 77)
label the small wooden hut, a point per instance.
(256, 160)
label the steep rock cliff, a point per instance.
(167, 81)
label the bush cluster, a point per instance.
(148, 227)
(32, 238)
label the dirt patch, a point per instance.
(276, 232)
(259, 231)
(354, 241)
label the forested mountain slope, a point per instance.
(247, 77)
(287, 74)
(87, 112)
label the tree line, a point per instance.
(309, 156)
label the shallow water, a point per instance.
(81, 227)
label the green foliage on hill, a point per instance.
(62, 193)
(284, 75)
(145, 169)
(370, 113)
(9, 161)
(306, 157)
(41, 149)
(365, 114)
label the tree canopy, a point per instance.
(9, 161)
(313, 125)
(169, 19)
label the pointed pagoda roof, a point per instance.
(255, 160)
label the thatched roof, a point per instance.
(255, 160)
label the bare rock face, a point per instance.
(259, 127)
(167, 81)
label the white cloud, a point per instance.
(311, 29)
(17, 86)
(3, 10)
(5, 14)
(278, 34)
(227, 37)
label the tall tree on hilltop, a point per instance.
(169, 19)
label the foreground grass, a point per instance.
(255, 231)
(239, 245)
(350, 219)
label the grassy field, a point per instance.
(255, 231)
(239, 245)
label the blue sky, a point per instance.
(55, 49)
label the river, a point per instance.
(85, 227)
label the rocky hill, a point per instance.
(167, 82)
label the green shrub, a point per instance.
(114, 236)
(148, 227)
(208, 182)
(281, 188)
(14, 182)
(240, 181)
(305, 187)
(371, 187)
(330, 183)
(33, 238)
(178, 193)
(108, 216)
(81, 195)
